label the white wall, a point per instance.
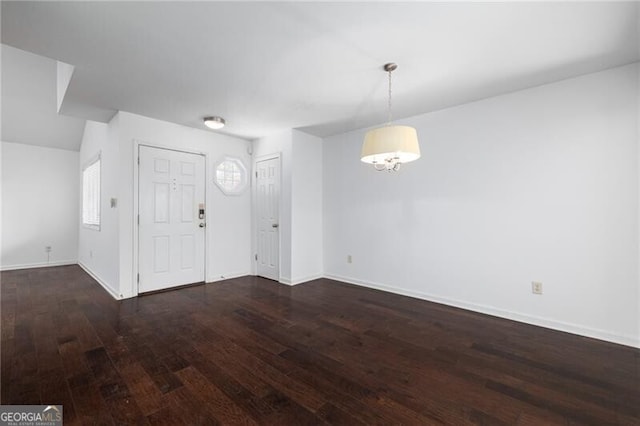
(98, 249)
(39, 206)
(537, 185)
(306, 208)
(228, 217)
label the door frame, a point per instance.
(136, 209)
(254, 214)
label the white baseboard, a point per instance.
(229, 276)
(623, 339)
(296, 281)
(37, 265)
(104, 285)
(208, 280)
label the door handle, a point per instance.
(275, 225)
(202, 225)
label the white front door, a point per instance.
(267, 201)
(171, 233)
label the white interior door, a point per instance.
(171, 233)
(268, 201)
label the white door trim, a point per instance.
(254, 213)
(136, 211)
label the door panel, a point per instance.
(268, 202)
(161, 202)
(160, 253)
(187, 203)
(187, 251)
(171, 242)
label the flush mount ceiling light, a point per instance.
(389, 146)
(214, 122)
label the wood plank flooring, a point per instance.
(250, 351)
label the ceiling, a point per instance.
(29, 103)
(267, 66)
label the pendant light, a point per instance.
(389, 146)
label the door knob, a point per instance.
(202, 225)
(275, 225)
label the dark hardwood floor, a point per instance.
(250, 351)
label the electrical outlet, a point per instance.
(349, 259)
(536, 287)
(47, 249)
(91, 253)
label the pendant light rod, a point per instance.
(389, 68)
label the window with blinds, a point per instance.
(91, 195)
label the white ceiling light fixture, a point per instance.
(214, 122)
(389, 146)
